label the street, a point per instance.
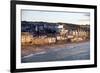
(74, 51)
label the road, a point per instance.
(78, 51)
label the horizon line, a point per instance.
(57, 22)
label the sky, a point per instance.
(55, 17)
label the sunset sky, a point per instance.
(51, 16)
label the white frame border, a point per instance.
(20, 65)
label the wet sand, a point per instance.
(27, 50)
(62, 52)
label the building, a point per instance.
(45, 31)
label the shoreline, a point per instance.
(27, 50)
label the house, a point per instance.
(26, 38)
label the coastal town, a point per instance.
(54, 36)
(40, 37)
(45, 33)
